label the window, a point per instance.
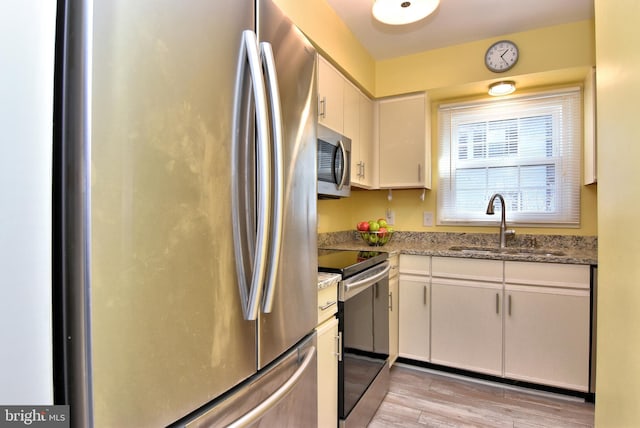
(527, 149)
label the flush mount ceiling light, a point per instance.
(400, 12)
(502, 88)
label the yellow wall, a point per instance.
(618, 91)
(332, 37)
(456, 71)
(568, 47)
(569, 65)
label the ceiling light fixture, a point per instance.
(400, 12)
(502, 88)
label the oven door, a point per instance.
(363, 322)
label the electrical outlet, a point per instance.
(391, 217)
(427, 218)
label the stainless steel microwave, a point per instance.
(334, 164)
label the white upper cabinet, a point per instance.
(405, 142)
(345, 109)
(363, 147)
(330, 96)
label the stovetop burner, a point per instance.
(348, 262)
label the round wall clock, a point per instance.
(501, 56)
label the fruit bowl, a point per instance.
(376, 239)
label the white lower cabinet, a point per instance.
(328, 373)
(413, 326)
(466, 314)
(525, 321)
(547, 324)
(414, 307)
(466, 325)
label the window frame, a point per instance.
(565, 142)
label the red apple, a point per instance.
(363, 226)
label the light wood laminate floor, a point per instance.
(418, 398)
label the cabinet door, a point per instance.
(352, 127)
(466, 325)
(547, 336)
(413, 325)
(404, 154)
(328, 373)
(330, 96)
(393, 318)
(368, 148)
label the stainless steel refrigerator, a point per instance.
(186, 221)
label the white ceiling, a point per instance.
(455, 22)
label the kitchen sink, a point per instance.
(514, 251)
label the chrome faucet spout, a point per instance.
(503, 219)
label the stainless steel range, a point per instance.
(363, 317)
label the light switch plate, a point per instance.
(427, 218)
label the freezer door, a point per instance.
(156, 322)
(292, 313)
(284, 395)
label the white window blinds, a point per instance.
(527, 149)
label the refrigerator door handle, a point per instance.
(262, 408)
(277, 218)
(251, 296)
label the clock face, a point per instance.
(501, 56)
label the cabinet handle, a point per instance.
(363, 170)
(327, 305)
(424, 295)
(391, 301)
(419, 172)
(497, 303)
(509, 305)
(323, 109)
(339, 344)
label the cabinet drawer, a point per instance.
(414, 264)
(327, 302)
(547, 274)
(470, 269)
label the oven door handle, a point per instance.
(382, 270)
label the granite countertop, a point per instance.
(530, 248)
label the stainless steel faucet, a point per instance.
(503, 221)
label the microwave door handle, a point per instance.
(278, 166)
(343, 179)
(251, 297)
